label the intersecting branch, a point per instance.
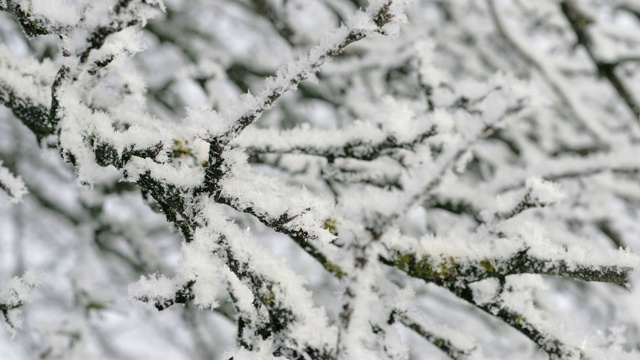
(443, 270)
(580, 24)
(288, 78)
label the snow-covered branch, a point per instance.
(450, 161)
(25, 88)
(12, 186)
(438, 338)
(554, 347)
(287, 78)
(32, 22)
(443, 270)
(474, 154)
(349, 143)
(15, 294)
(547, 71)
(580, 24)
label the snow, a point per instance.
(14, 71)
(485, 291)
(155, 287)
(262, 353)
(255, 191)
(543, 192)
(468, 145)
(14, 294)
(61, 11)
(288, 288)
(361, 21)
(13, 188)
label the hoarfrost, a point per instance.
(417, 165)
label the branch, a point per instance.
(279, 300)
(363, 176)
(289, 77)
(579, 24)
(32, 25)
(16, 293)
(101, 33)
(24, 88)
(265, 8)
(550, 75)
(302, 234)
(569, 167)
(442, 343)
(11, 185)
(538, 194)
(181, 296)
(446, 166)
(446, 270)
(554, 347)
(173, 202)
(299, 141)
(458, 206)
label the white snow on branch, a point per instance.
(262, 353)
(289, 76)
(544, 192)
(26, 78)
(527, 237)
(270, 198)
(622, 160)
(14, 294)
(253, 261)
(60, 11)
(153, 288)
(12, 187)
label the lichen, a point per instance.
(331, 225)
(334, 269)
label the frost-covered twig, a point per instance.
(446, 269)
(124, 15)
(180, 296)
(25, 89)
(14, 295)
(177, 210)
(437, 339)
(33, 24)
(171, 202)
(347, 143)
(455, 206)
(11, 185)
(554, 347)
(622, 161)
(580, 25)
(550, 74)
(447, 165)
(300, 234)
(279, 211)
(273, 292)
(456, 273)
(353, 339)
(538, 194)
(290, 76)
(356, 175)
